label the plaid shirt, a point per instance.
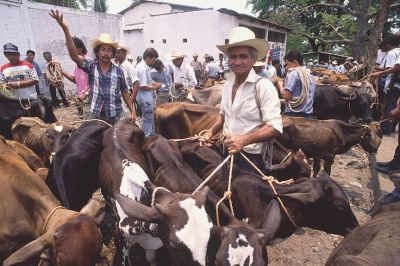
(105, 89)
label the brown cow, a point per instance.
(208, 96)
(374, 243)
(173, 216)
(182, 120)
(45, 140)
(33, 220)
(323, 139)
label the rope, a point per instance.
(271, 179)
(213, 172)
(5, 91)
(286, 157)
(27, 107)
(87, 120)
(49, 216)
(153, 195)
(54, 73)
(227, 193)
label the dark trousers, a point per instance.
(54, 98)
(37, 89)
(242, 163)
(391, 97)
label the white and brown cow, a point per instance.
(172, 218)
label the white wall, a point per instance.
(140, 12)
(29, 26)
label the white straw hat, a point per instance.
(241, 36)
(104, 38)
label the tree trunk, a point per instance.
(375, 34)
(358, 46)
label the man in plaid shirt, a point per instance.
(106, 80)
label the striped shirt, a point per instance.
(20, 72)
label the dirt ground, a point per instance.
(350, 170)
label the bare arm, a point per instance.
(70, 44)
(218, 125)
(286, 94)
(390, 70)
(22, 84)
(69, 76)
(264, 133)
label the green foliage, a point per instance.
(98, 6)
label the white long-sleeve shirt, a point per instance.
(183, 74)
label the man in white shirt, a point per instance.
(250, 108)
(183, 73)
(131, 79)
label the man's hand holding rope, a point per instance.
(235, 144)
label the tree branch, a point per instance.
(343, 41)
(392, 6)
(345, 8)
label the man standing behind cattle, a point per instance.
(197, 67)
(250, 107)
(183, 73)
(19, 76)
(299, 87)
(30, 55)
(129, 71)
(145, 95)
(106, 81)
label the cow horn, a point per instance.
(94, 208)
(136, 209)
(30, 250)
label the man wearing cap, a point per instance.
(298, 89)
(250, 108)
(106, 81)
(19, 76)
(211, 70)
(333, 66)
(129, 71)
(183, 73)
(197, 67)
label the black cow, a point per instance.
(318, 203)
(11, 110)
(73, 175)
(333, 103)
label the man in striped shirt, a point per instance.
(20, 76)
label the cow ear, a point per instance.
(305, 198)
(136, 209)
(30, 250)
(202, 195)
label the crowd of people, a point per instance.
(111, 86)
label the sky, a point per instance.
(115, 6)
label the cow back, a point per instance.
(73, 175)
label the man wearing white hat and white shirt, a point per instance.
(130, 73)
(250, 107)
(183, 73)
(106, 80)
(259, 68)
(333, 66)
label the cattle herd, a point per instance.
(154, 206)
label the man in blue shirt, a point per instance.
(106, 80)
(30, 55)
(299, 87)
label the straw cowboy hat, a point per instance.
(259, 63)
(176, 54)
(122, 46)
(241, 36)
(334, 62)
(104, 38)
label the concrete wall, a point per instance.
(203, 29)
(29, 26)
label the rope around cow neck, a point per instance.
(49, 216)
(271, 179)
(26, 108)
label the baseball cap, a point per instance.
(10, 48)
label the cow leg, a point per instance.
(316, 166)
(328, 161)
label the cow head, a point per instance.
(77, 241)
(239, 244)
(185, 225)
(371, 137)
(360, 106)
(57, 135)
(323, 205)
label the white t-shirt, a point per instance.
(185, 73)
(389, 61)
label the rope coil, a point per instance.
(54, 74)
(46, 221)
